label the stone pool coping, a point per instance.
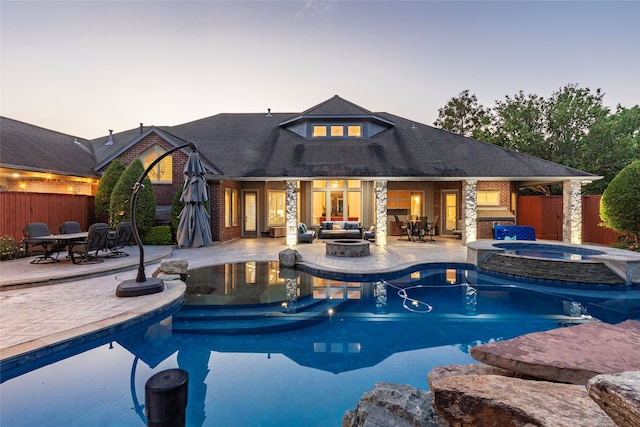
(624, 263)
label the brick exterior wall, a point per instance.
(485, 228)
(52, 186)
(219, 231)
(163, 192)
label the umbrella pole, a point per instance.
(141, 286)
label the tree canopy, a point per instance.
(571, 127)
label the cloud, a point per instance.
(313, 8)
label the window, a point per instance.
(277, 207)
(319, 131)
(163, 171)
(488, 198)
(336, 131)
(354, 131)
(336, 200)
(231, 207)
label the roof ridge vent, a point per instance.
(268, 112)
(110, 141)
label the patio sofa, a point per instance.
(305, 234)
(340, 230)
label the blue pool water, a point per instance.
(537, 250)
(330, 343)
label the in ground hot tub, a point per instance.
(348, 248)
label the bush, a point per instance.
(105, 188)
(121, 199)
(9, 249)
(159, 235)
(176, 208)
(620, 203)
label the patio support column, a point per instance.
(572, 212)
(291, 220)
(381, 213)
(470, 232)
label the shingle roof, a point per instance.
(28, 147)
(261, 146)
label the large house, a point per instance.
(269, 171)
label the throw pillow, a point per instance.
(372, 228)
(303, 227)
(337, 227)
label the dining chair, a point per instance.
(121, 238)
(95, 242)
(38, 229)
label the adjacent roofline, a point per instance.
(171, 139)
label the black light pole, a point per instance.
(142, 286)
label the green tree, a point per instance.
(620, 203)
(121, 199)
(571, 112)
(519, 124)
(465, 116)
(105, 188)
(611, 144)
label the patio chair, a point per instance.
(38, 229)
(95, 242)
(119, 239)
(431, 227)
(70, 227)
(404, 229)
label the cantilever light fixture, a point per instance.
(140, 285)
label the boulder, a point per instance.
(442, 372)
(393, 405)
(571, 355)
(288, 258)
(174, 266)
(495, 400)
(619, 396)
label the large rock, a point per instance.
(393, 405)
(494, 400)
(619, 396)
(174, 266)
(571, 355)
(442, 372)
(288, 258)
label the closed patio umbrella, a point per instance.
(194, 230)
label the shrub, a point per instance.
(105, 188)
(176, 208)
(620, 203)
(121, 199)
(9, 248)
(159, 235)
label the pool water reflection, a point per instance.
(339, 340)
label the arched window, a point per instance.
(163, 171)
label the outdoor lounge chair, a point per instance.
(95, 242)
(38, 229)
(119, 239)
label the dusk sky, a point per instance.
(85, 67)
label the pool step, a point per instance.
(239, 320)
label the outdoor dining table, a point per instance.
(63, 240)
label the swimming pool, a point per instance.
(545, 250)
(344, 337)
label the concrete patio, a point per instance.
(43, 305)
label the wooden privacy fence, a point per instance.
(544, 213)
(18, 209)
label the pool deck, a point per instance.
(44, 305)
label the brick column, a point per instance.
(292, 213)
(470, 195)
(381, 213)
(572, 212)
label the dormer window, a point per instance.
(336, 130)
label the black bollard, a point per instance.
(165, 398)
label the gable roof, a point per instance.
(27, 147)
